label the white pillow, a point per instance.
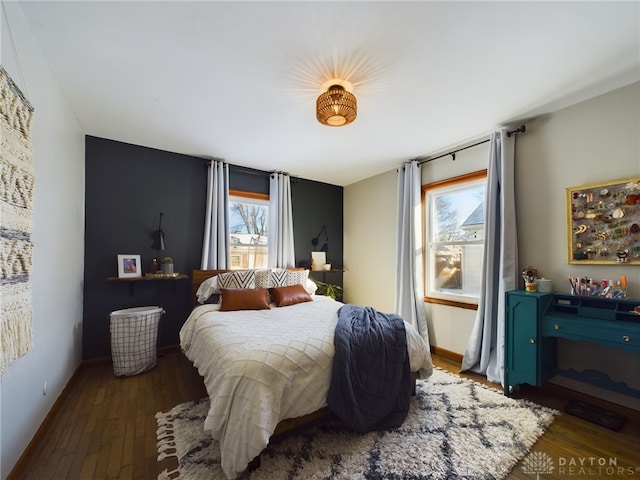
(310, 286)
(207, 288)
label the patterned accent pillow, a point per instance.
(297, 277)
(263, 279)
(274, 277)
(279, 277)
(237, 279)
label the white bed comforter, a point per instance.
(263, 366)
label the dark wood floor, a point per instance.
(106, 428)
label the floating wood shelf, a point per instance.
(149, 278)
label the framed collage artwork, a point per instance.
(603, 223)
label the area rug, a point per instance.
(456, 428)
(16, 199)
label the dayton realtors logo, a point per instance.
(539, 463)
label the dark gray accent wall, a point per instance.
(127, 186)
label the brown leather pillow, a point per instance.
(289, 295)
(244, 299)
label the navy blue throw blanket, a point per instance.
(371, 379)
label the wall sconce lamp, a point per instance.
(158, 237)
(316, 240)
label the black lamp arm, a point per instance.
(315, 240)
(158, 236)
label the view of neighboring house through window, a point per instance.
(454, 238)
(248, 229)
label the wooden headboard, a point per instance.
(199, 276)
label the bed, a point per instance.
(266, 370)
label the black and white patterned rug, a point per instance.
(456, 428)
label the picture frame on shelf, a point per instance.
(129, 265)
(603, 223)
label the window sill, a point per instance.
(451, 303)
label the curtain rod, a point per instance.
(520, 129)
(255, 171)
(243, 169)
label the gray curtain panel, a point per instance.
(485, 350)
(281, 248)
(215, 245)
(409, 273)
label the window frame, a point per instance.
(242, 194)
(445, 299)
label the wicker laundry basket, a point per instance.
(134, 338)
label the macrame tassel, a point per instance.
(16, 330)
(166, 449)
(166, 443)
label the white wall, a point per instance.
(58, 155)
(593, 141)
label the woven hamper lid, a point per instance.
(136, 311)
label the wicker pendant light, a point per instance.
(336, 107)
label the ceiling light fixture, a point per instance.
(336, 106)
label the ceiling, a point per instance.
(238, 80)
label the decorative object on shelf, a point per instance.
(16, 222)
(544, 285)
(318, 259)
(167, 265)
(337, 106)
(589, 287)
(326, 267)
(603, 223)
(161, 275)
(529, 276)
(329, 290)
(129, 265)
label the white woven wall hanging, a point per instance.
(16, 224)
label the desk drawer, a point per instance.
(613, 334)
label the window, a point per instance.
(454, 238)
(248, 229)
